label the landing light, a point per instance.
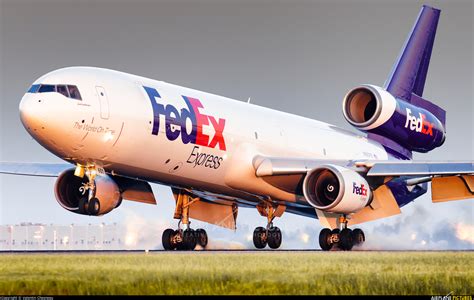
(108, 136)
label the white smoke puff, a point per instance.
(141, 233)
(218, 244)
(465, 232)
(304, 237)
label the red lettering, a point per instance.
(429, 126)
(201, 138)
(218, 136)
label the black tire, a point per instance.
(346, 239)
(166, 239)
(259, 238)
(274, 238)
(324, 239)
(180, 245)
(359, 236)
(189, 239)
(201, 236)
(82, 206)
(94, 207)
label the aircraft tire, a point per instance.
(359, 236)
(259, 238)
(324, 239)
(94, 207)
(274, 237)
(166, 239)
(201, 237)
(83, 206)
(189, 239)
(346, 239)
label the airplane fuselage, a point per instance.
(160, 132)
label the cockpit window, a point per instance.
(74, 92)
(34, 88)
(45, 88)
(62, 89)
(69, 91)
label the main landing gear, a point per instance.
(271, 235)
(188, 238)
(345, 239)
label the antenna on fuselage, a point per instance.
(248, 101)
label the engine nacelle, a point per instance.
(372, 109)
(336, 189)
(69, 196)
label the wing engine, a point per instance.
(336, 189)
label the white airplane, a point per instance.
(119, 132)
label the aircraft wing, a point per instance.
(270, 166)
(393, 182)
(132, 190)
(417, 168)
(34, 169)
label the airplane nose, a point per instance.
(31, 113)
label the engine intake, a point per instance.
(372, 109)
(69, 196)
(336, 189)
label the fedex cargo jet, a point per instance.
(120, 132)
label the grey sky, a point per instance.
(296, 56)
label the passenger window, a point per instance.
(45, 88)
(34, 88)
(62, 89)
(74, 92)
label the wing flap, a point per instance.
(452, 188)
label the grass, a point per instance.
(335, 273)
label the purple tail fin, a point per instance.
(408, 75)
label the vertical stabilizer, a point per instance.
(408, 74)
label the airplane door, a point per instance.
(103, 101)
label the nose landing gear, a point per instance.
(88, 204)
(345, 239)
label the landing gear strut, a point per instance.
(88, 204)
(188, 238)
(344, 238)
(271, 235)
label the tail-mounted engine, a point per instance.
(336, 189)
(372, 109)
(72, 193)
